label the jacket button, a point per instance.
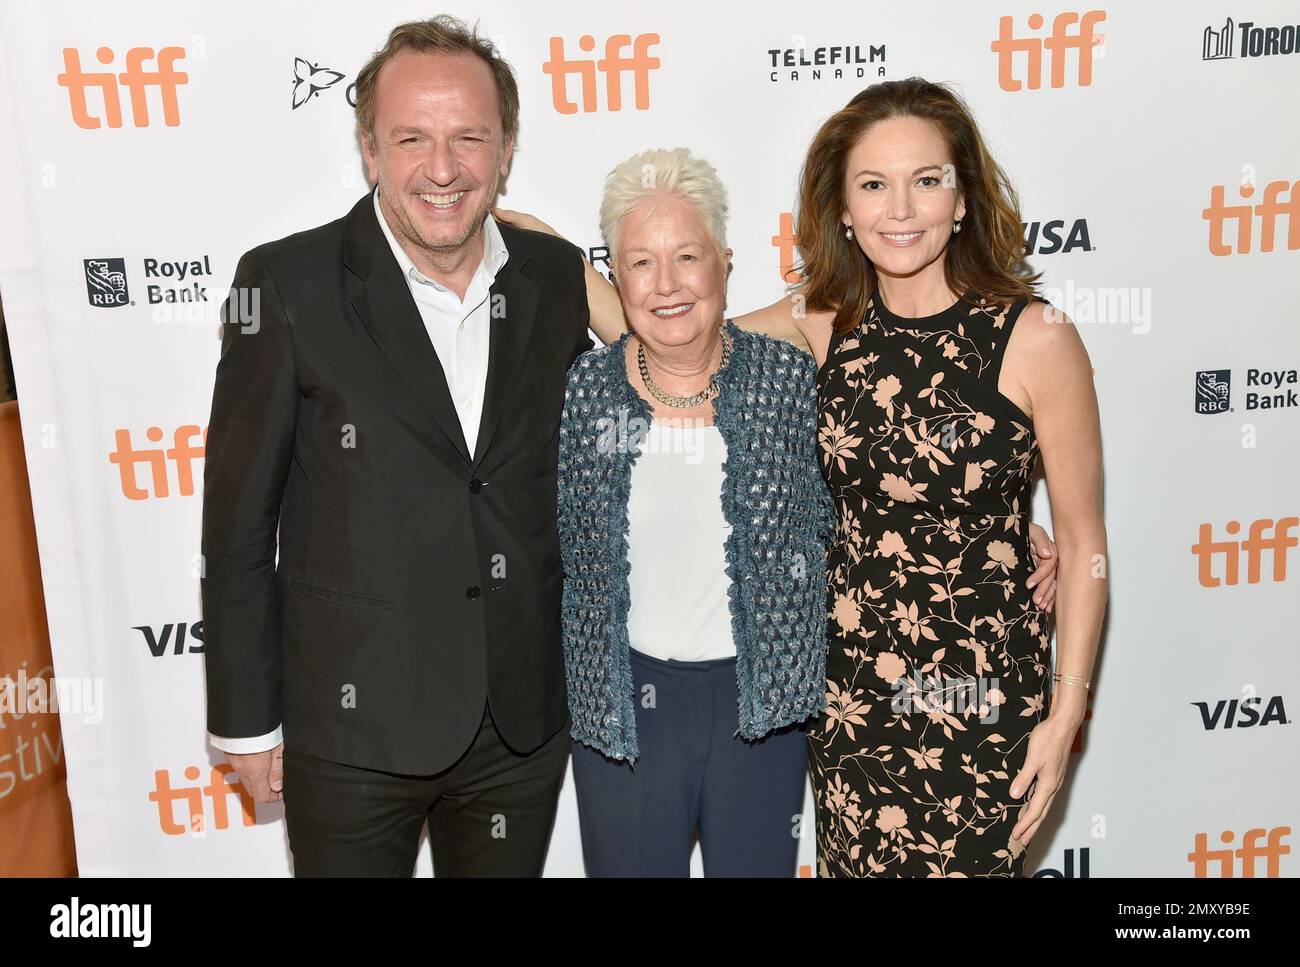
(472, 592)
(475, 485)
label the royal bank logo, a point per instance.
(309, 80)
(167, 282)
(1213, 390)
(106, 283)
(1266, 389)
(1251, 41)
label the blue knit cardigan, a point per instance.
(781, 518)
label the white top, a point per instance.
(459, 332)
(676, 547)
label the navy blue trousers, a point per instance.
(694, 775)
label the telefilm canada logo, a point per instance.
(800, 61)
(1250, 41)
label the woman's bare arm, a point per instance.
(606, 310)
(1049, 363)
(781, 320)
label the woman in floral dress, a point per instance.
(944, 382)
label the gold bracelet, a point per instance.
(1071, 680)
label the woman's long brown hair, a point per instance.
(986, 257)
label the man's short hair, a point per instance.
(443, 34)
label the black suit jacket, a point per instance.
(413, 581)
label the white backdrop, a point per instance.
(1182, 314)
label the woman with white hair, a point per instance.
(693, 524)
(901, 205)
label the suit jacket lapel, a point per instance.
(383, 302)
(513, 306)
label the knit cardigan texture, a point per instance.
(781, 517)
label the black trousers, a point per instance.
(490, 814)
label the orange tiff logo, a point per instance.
(136, 79)
(1273, 849)
(1279, 541)
(1270, 211)
(217, 790)
(786, 242)
(182, 453)
(1063, 39)
(613, 65)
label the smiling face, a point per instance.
(438, 151)
(900, 199)
(671, 278)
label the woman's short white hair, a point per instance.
(659, 172)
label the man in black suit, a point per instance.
(393, 407)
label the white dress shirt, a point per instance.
(459, 330)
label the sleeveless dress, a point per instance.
(938, 657)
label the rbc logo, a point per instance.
(613, 65)
(1213, 390)
(106, 283)
(135, 79)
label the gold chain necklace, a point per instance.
(684, 402)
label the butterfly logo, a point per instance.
(309, 80)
